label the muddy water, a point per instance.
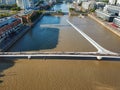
(98, 33)
(60, 75)
(53, 33)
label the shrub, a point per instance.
(71, 9)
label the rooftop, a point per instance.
(6, 20)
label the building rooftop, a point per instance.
(6, 21)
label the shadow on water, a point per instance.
(5, 63)
(39, 38)
(44, 38)
(111, 59)
(73, 58)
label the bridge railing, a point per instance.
(56, 53)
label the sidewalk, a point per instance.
(106, 24)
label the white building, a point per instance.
(8, 2)
(25, 4)
(112, 1)
(2, 1)
(118, 2)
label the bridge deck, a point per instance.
(58, 55)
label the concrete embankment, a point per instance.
(105, 24)
(18, 36)
(37, 20)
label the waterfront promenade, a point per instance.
(106, 24)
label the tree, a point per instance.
(16, 8)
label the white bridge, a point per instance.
(101, 53)
(58, 55)
(49, 12)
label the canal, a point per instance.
(53, 33)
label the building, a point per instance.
(19, 3)
(35, 1)
(23, 4)
(113, 2)
(26, 4)
(2, 2)
(8, 2)
(118, 2)
(9, 25)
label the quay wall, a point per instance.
(103, 23)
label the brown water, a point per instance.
(47, 35)
(59, 74)
(101, 35)
(62, 74)
(65, 38)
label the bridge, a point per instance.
(58, 55)
(55, 25)
(100, 54)
(50, 12)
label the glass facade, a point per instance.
(116, 21)
(25, 4)
(105, 16)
